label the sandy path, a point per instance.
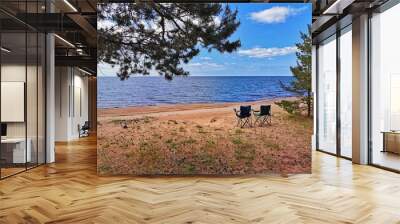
(196, 112)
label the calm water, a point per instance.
(137, 91)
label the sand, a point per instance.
(200, 139)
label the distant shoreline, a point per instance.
(111, 113)
(199, 103)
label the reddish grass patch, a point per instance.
(155, 146)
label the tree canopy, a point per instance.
(301, 85)
(144, 36)
(302, 72)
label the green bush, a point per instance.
(292, 107)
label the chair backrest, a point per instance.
(265, 110)
(245, 111)
(86, 125)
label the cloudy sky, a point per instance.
(268, 33)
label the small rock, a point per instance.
(124, 124)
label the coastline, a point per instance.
(150, 110)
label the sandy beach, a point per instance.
(192, 139)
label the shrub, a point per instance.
(189, 168)
(239, 131)
(292, 107)
(237, 141)
(245, 152)
(188, 141)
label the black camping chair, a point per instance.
(243, 116)
(263, 116)
(84, 130)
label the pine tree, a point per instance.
(301, 85)
(144, 36)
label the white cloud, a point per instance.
(205, 65)
(259, 52)
(205, 58)
(277, 14)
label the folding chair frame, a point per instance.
(263, 119)
(243, 121)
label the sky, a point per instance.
(268, 34)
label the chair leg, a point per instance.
(261, 122)
(246, 121)
(256, 121)
(264, 120)
(240, 122)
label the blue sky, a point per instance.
(268, 33)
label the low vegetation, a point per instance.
(152, 146)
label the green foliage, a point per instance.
(245, 152)
(104, 168)
(189, 168)
(188, 141)
(301, 85)
(172, 145)
(147, 120)
(237, 141)
(149, 156)
(202, 131)
(239, 131)
(292, 107)
(148, 35)
(210, 143)
(105, 146)
(144, 146)
(206, 159)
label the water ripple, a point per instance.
(138, 91)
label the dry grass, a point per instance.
(170, 145)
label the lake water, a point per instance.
(150, 90)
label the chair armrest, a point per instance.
(237, 112)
